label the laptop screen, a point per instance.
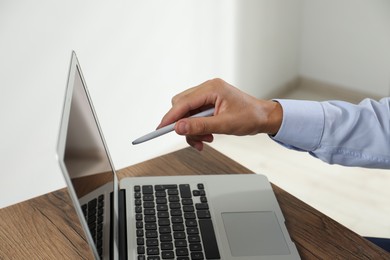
(86, 164)
(85, 157)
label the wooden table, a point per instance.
(47, 227)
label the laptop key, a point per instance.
(179, 235)
(177, 219)
(193, 239)
(150, 226)
(180, 243)
(170, 186)
(137, 195)
(151, 234)
(161, 200)
(176, 212)
(202, 206)
(163, 214)
(188, 208)
(161, 194)
(140, 241)
(140, 232)
(174, 205)
(164, 229)
(185, 190)
(148, 197)
(168, 255)
(164, 222)
(198, 256)
(162, 207)
(173, 192)
(195, 247)
(187, 201)
(137, 188)
(92, 203)
(153, 258)
(203, 214)
(150, 218)
(149, 204)
(208, 237)
(159, 187)
(152, 242)
(140, 250)
(182, 252)
(191, 223)
(167, 246)
(153, 251)
(165, 237)
(149, 211)
(174, 198)
(192, 231)
(178, 227)
(147, 189)
(189, 215)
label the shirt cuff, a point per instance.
(302, 126)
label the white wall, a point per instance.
(267, 44)
(346, 42)
(135, 55)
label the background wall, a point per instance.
(267, 45)
(136, 55)
(346, 43)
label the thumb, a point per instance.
(195, 126)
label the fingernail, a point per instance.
(182, 128)
(198, 146)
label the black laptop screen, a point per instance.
(85, 157)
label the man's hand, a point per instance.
(236, 113)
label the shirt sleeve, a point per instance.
(338, 132)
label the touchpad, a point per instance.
(254, 234)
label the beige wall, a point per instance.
(346, 43)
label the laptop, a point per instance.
(234, 216)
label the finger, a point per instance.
(200, 138)
(198, 126)
(182, 94)
(197, 141)
(196, 144)
(189, 102)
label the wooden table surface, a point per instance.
(47, 227)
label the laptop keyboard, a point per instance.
(93, 213)
(174, 222)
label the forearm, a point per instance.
(339, 132)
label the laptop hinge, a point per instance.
(122, 227)
(111, 226)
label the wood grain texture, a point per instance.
(47, 227)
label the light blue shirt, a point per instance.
(338, 132)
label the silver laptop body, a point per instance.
(233, 216)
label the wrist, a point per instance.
(275, 118)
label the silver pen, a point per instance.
(169, 128)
